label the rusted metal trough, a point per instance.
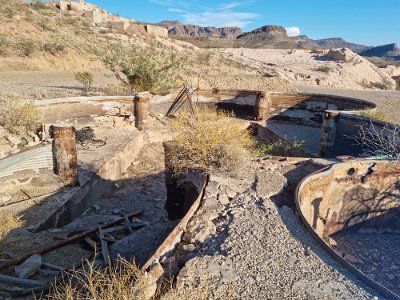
(356, 194)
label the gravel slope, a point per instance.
(260, 251)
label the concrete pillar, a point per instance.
(140, 105)
(64, 154)
(328, 133)
(263, 104)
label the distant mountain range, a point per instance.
(269, 36)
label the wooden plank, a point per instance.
(59, 244)
(16, 280)
(104, 248)
(128, 225)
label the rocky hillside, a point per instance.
(340, 43)
(391, 51)
(176, 28)
(267, 36)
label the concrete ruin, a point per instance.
(101, 18)
(369, 187)
(358, 195)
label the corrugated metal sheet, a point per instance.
(30, 160)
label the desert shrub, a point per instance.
(209, 141)
(18, 115)
(383, 85)
(86, 79)
(26, 47)
(8, 223)
(38, 5)
(54, 47)
(144, 68)
(397, 83)
(123, 281)
(45, 23)
(115, 89)
(3, 46)
(282, 148)
(373, 115)
(324, 69)
(9, 11)
(380, 142)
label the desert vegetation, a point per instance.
(144, 68)
(18, 115)
(209, 141)
(373, 115)
(324, 69)
(380, 142)
(282, 148)
(86, 79)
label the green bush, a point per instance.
(144, 68)
(86, 79)
(283, 148)
(383, 85)
(397, 83)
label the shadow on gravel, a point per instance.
(290, 218)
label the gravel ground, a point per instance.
(47, 85)
(259, 251)
(388, 102)
(377, 255)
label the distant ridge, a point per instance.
(176, 28)
(390, 51)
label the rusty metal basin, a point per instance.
(359, 195)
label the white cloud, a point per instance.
(220, 15)
(293, 31)
(220, 18)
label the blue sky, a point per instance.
(370, 22)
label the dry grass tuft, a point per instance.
(18, 115)
(124, 281)
(212, 141)
(8, 223)
(370, 114)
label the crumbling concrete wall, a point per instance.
(340, 133)
(156, 30)
(355, 193)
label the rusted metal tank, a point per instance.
(363, 195)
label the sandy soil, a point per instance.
(305, 66)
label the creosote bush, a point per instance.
(85, 78)
(210, 141)
(324, 69)
(18, 115)
(144, 68)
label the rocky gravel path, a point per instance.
(256, 250)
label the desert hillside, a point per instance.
(336, 68)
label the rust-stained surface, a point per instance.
(363, 195)
(65, 154)
(352, 193)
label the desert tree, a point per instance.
(86, 79)
(144, 68)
